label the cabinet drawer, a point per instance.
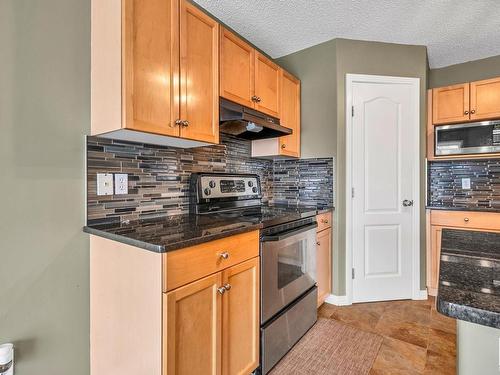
(466, 219)
(183, 266)
(324, 221)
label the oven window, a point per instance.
(291, 263)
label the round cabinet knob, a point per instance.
(255, 190)
(185, 123)
(224, 255)
(207, 191)
(466, 112)
(318, 243)
(177, 123)
(255, 98)
(250, 183)
(283, 146)
(221, 290)
(227, 287)
(324, 221)
(466, 219)
(473, 111)
(211, 184)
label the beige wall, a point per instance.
(322, 70)
(466, 72)
(44, 114)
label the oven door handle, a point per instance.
(290, 233)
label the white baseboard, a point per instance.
(421, 295)
(337, 300)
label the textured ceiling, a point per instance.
(454, 31)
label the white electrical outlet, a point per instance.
(121, 183)
(104, 184)
(466, 183)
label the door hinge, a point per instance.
(352, 111)
(352, 192)
(353, 273)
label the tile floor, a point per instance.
(417, 339)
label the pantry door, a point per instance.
(383, 166)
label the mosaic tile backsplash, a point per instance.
(445, 184)
(159, 176)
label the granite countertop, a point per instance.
(479, 209)
(469, 276)
(169, 233)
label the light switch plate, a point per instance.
(466, 183)
(104, 184)
(121, 183)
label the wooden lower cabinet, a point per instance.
(211, 326)
(324, 256)
(240, 319)
(462, 220)
(191, 328)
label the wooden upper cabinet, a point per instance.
(450, 104)
(199, 74)
(236, 69)
(150, 64)
(191, 328)
(290, 114)
(267, 85)
(485, 99)
(240, 318)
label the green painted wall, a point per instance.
(44, 115)
(322, 70)
(470, 71)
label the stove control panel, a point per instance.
(229, 186)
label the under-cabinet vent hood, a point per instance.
(247, 123)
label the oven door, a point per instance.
(288, 268)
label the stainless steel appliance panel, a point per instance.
(288, 268)
(280, 335)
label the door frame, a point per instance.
(415, 84)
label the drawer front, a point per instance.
(466, 219)
(183, 266)
(324, 221)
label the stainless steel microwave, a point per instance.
(472, 138)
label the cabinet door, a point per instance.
(290, 115)
(450, 104)
(236, 69)
(324, 264)
(199, 74)
(240, 322)
(267, 85)
(192, 328)
(150, 64)
(485, 99)
(433, 262)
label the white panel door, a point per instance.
(383, 162)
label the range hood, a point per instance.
(247, 123)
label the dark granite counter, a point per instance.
(476, 209)
(469, 276)
(170, 233)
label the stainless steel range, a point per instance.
(287, 256)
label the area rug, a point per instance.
(331, 347)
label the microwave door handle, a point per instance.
(293, 232)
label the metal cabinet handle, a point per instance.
(176, 123)
(466, 112)
(472, 111)
(283, 146)
(324, 221)
(259, 99)
(227, 287)
(255, 98)
(407, 203)
(466, 219)
(224, 255)
(185, 123)
(221, 290)
(318, 243)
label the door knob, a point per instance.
(407, 203)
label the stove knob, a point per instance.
(211, 184)
(207, 191)
(254, 189)
(250, 183)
